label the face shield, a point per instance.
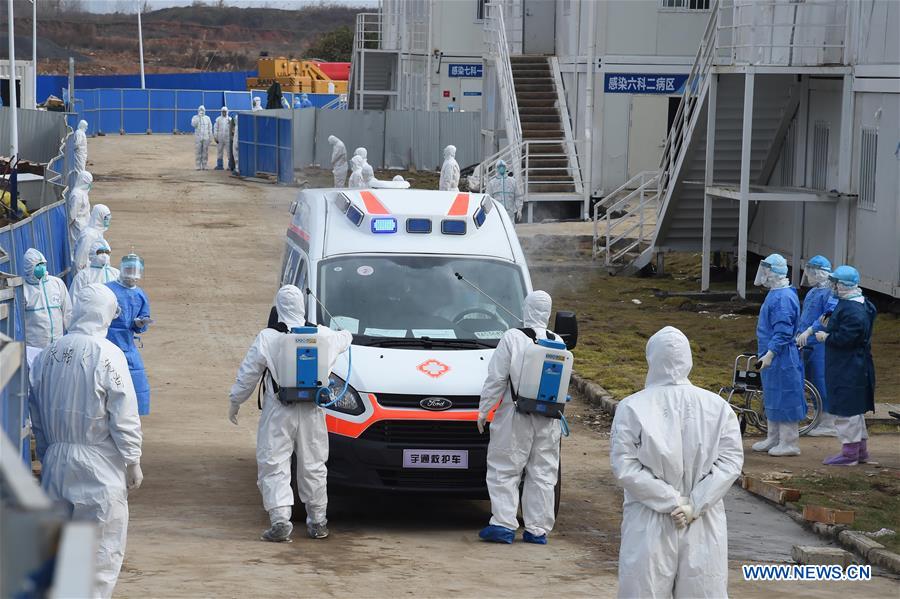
(132, 269)
(814, 277)
(762, 275)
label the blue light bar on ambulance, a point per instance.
(418, 225)
(484, 209)
(386, 224)
(355, 215)
(453, 227)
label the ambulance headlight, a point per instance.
(351, 403)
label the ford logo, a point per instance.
(436, 404)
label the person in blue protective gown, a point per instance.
(819, 300)
(849, 368)
(779, 359)
(133, 319)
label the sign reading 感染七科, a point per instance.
(643, 83)
(465, 70)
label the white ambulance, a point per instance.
(427, 282)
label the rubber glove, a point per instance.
(133, 476)
(683, 514)
(143, 322)
(821, 336)
(482, 418)
(803, 337)
(233, 412)
(766, 360)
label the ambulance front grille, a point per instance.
(415, 434)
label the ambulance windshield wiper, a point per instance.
(427, 343)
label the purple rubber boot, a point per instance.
(863, 451)
(849, 456)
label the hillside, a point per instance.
(200, 38)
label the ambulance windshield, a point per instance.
(385, 299)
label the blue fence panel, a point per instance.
(90, 97)
(162, 110)
(238, 100)
(266, 130)
(109, 121)
(108, 99)
(187, 102)
(40, 235)
(58, 224)
(246, 145)
(213, 101)
(135, 99)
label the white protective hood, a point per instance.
(95, 308)
(668, 358)
(290, 306)
(536, 309)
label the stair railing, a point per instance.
(497, 47)
(691, 103)
(625, 216)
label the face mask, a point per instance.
(502, 171)
(40, 270)
(129, 282)
(102, 259)
(106, 221)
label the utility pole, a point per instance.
(13, 116)
(34, 62)
(141, 46)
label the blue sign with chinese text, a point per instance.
(465, 70)
(643, 83)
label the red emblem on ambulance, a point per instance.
(433, 368)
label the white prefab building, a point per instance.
(419, 55)
(785, 140)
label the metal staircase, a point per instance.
(540, 149)
(682, 181)
(373, 69)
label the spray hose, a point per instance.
(564, 425)
(327, 389)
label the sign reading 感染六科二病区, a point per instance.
(465, 70)
(643, 83)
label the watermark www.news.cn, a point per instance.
(763, 572)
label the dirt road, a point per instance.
(212, 246)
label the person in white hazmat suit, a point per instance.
(449, 171)
(80, 139)
(101, 218)
(99, 271)
(356, 175)
(288, 428)
(86, 428)
(519, 442)
(362, 153)
(676, 450)
(203, 134)
(257, 104)
(47, 307)
(222, 135)
(503, 189)
(338, 161)
(79, 205)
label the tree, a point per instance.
(334, 46)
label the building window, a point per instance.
(479, 9)
(868, 157)
(820, 155)
(684, 4)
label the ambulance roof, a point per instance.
(409, 221)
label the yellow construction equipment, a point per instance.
(295, 76)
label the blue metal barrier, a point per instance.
(265, 146)
(140, 111)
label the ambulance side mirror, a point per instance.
(566, 326)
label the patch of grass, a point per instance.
(613, 331)
(874, 496)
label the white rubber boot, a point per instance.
(770, 441)
(825, 428)
(788, 440)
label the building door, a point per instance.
(470, 92)
(539, 27)
(646, 132)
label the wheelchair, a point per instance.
(745, 395)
